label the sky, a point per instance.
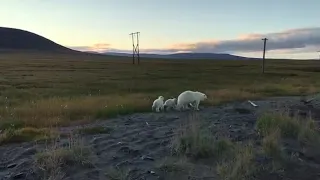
(169, 26)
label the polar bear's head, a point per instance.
(161, 98)
(204, 96)
(201, 95)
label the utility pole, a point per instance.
(264, 53)
(135, 50)
(319, 54)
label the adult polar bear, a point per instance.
(190, 97)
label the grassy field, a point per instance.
(44, 90)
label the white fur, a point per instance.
(158, 104)
(190, 97)
(170, 104)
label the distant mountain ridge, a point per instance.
(185, 56)
(17, 39)
(12, 40)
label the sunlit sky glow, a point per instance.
(169, 26)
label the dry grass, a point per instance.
(26, 134)
(305, 130)
(193, 141)
(170, 164)
(45, 89)
(277, 127)
(216, 97)
(309, 133)
(272, 146)
(241, 166)
(55, 158)
(116, 173)
(232, 161)
(288, 127)
(60, 111)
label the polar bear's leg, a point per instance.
(183, 107)
(178, 108)
(197, 105)
(186, 106)
(162, 108)
(192, 104)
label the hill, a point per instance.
(190, 56)
(186, 56)
(17, 39)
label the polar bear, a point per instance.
(190, 97)
(158, 104)
(170, 103)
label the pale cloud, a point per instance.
(307, 49)
(99, 47)
(289, 41)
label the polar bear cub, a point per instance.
(170, 104)
(190, 97)
(158, 104)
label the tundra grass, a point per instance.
(43, 90)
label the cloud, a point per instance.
(307, 49)
(289, 41)
(99, 47)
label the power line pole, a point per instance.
(135, 46)
(264, 53)
(138, 51)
